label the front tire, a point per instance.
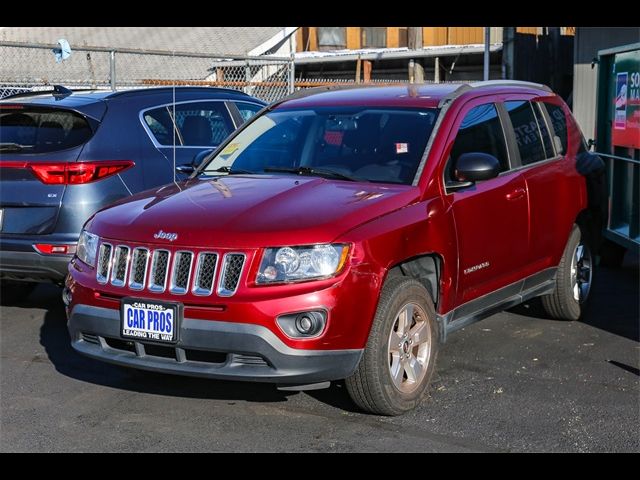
(573, 280)
(398, 362)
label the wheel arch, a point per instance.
(426, 268)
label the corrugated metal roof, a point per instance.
(220, 40)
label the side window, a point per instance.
(544, 130)
(201, 124)
(559, 121)
(480, 131)
(527, 131)
(247, 110)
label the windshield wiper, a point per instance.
(321, 172)
(13, 147)
(229, 170)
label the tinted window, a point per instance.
(40, 130)
(559, 121)
(527, 131)
(544, 131)
(199, 124)
(247, 110)
(480, 131)
(376, 144)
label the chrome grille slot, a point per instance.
(205, 273)
(120, 264)
(232, 265)
(181, 273)
(158, 273)
(139, 263)
(104, 263)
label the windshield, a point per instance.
(356, 143)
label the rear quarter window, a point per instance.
(41, 130)
(559, 122)
(247, 110)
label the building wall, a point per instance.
(588, 41)
(307, 37)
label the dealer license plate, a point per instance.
(149, 320)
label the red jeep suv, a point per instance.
(343, 234)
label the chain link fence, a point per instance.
(32, 67)
(27, 67)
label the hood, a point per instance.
(249, 211)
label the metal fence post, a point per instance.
(292, 74)
(247, 77)
(112, 70)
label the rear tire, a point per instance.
(12, 292)
(398, 362)
(573, 280)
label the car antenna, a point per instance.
(175, 123)
(60, 91)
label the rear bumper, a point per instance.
(33, 267)
(249, 352)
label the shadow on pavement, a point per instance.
(614, 308)
(614, 304)
(54, 337)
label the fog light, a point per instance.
(303, 324)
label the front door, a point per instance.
(491, 217)
(200, 125)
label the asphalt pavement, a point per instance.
(514, 382)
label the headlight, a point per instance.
(88, 247)
(291, 264)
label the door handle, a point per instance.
(516, 194)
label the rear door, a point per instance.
(491, 217)
(31, 139)
(545, 171)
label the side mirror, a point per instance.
(199, 157)
(185, 169)
(476, 166)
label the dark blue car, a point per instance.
(64, 155)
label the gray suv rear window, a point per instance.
(40, 130)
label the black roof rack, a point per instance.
(150, 90)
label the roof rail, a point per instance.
(465, 87)
(509, 83)
(151, 90)
(455, 94)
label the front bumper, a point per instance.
(248, 352)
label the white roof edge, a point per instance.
(272, 42)
(392, 53)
